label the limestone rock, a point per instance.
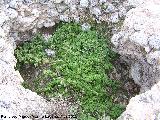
(140, 33)
(96, 11)
(137, 3)
(114, 17)
(11, 13)
(93, 2)
(122, 11)
(144, 107)
(102, 1)
(110, 8)
(15, 3)
(141, 30)
(138, 40)
(61, 8)
(58, 1)
(3, 17)
(84, 3)
(153, 57)
(86, 26)
(22, 99)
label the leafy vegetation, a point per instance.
(32, 52)
(78, 70)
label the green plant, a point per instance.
(32, 52)
(79, 70)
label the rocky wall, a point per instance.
(139, 42)
(19, 21)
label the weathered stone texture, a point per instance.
(141, 30)
(138, 42)
(145, 106)
(19, 21)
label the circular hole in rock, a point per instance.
(67, 62)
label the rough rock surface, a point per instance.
(139, 41)
(19, 21)
(145, 106)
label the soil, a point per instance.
(128, 88)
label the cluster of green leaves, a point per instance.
(79, 70)
(32, 52)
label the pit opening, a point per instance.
(41, 65)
